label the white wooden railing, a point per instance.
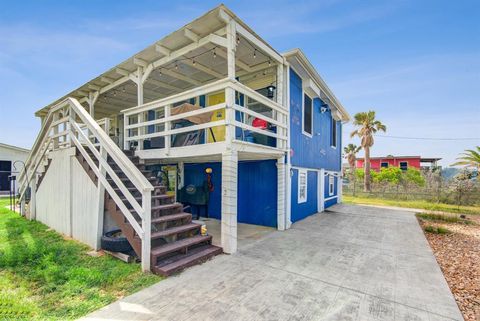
(254, 105)
(67, 125)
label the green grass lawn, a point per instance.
(45, 277)
(449, 208)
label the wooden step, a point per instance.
(154, 197)
(178, 245)
(179, 262)
(163, 207)
(172, 217)
(175, 230)
(126, 179)
(161, 187)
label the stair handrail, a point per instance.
(73, 111)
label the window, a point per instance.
(403, 166)
(302, 186)
(384, 164)
(307, 115)
(331, 185)
(333, 135)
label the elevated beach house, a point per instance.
(210, 116)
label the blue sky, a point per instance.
(417, 63)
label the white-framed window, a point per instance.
(331, 185)
(333, 134)
(384, 164)
(403, 166)
(302, 185)
(307, 115)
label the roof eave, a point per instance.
(298, 53)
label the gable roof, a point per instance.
(16, 148)
(315, 76)
(206, 24)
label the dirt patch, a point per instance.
(458, 254)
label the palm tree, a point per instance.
(470, 158)
(368, 126)
(351, 151)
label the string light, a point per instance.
(214, 53)
(123, 90)
(255, 53)
(176, 66)
(193, 62)
(238, 40)
(269, 63)
(114, 93)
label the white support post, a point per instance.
(280, 117)
(231, 48)
(126, 122)
(229, 201)
(101, 197)
(321, 182)
(146, 227)
(168, 126)
(141, 130)
(339, 187)
(281, 199)
(181, 175)
(33, 198)
(288, 176)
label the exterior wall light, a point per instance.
(208, 170)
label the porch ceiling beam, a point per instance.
(191, 35)
(163, 50)
(182, 51)
(162, 84)
(140, 62)
(122, 72)
(238, 62)
(203, 68)
(182, 77)
(258, 43)
(219, 41)
(107, 80)
(94, 87)
(257, 68)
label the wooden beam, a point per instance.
(182, 77)
(203, 68)
(163, 50)
(191, 35)
(122, 72)
(140, 62)
(238, 62)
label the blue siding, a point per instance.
(315, 151)
(302, 210)
(257, 192)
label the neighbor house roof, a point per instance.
(20, 149)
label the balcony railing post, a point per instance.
(146, 227)
(126, 142)
(229, 115)
(168, 127)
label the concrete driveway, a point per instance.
(350, 263)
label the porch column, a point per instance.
(139, 82)
(33, 198)
(281, 194)
(229, 201)
(321, 188)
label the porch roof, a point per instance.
(117, 91)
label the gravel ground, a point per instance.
(458, 255)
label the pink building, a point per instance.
(403, 162)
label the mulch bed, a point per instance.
(458, 255)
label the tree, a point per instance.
(368, 126)
(470, 158)
(351, 151)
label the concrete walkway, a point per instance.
(350, 263)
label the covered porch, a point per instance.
(212, 91)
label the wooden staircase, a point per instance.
(176, 242)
